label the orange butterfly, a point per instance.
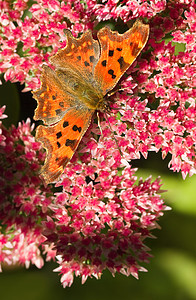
(85, 71)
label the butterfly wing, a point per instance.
(80, 55)
(118, 51)
(62, 139)
(66, 102)
(52, 99)
(73, 74)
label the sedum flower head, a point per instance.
(101, 220)
(23, 198)
(103, 214)
(157, 107)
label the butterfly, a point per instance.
(85, 71)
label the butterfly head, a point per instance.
(104, 104)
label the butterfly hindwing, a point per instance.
(118, 51)
(61, 140)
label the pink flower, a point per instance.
(106, 216)
(102, 217)
(2, 115)
(24, 199)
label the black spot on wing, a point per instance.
(92, 58)
(122, 63)
(79, 57)
(104, 63)
(54, 97)
(58, 144)
(61, 104)
(111, 72)
(59, 134)
(75, 128)
(111, 52)
(65, 124)
(58, 111)
(119, 49)
(71, 143)
(86, 63)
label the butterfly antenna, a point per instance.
(106, 117)
(117, 90)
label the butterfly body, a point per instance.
(85, 71)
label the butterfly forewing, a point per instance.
(118, 51)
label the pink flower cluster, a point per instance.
(168, 81)
(23, 198)
(161, 78)
(102, 216)
(127, 10)
(28, 40)
(99, 221)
